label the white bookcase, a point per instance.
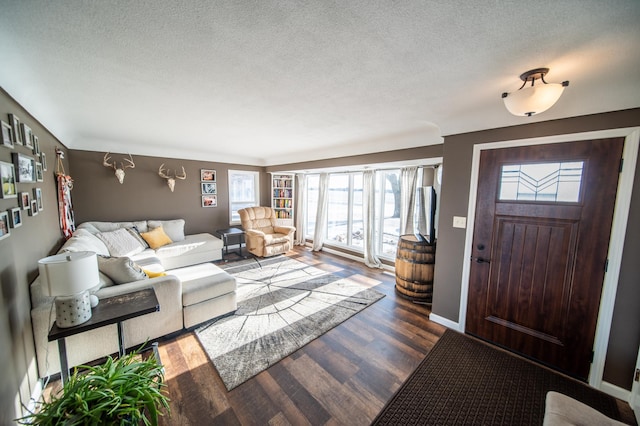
(282, 196)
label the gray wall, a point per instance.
(38, 237)
(458, 151)
(97, 195)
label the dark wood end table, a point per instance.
(231, 233)
(110, 310)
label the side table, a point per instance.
(110, 310)
(228, 233)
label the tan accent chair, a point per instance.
(264, 237)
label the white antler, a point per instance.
(119, 171)
(171, 180)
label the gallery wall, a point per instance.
(458, 151)
(37, 237)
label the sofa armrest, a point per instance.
(160, 284)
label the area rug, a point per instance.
(283, 304)
(463, 381)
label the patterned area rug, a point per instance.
(283, 304)
(463, 381)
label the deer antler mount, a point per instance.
(171, 180)
(119, 170)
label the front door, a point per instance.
(541, 237)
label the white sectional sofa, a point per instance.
(192, 291)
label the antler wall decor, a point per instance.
(123, 166)
(171, 180)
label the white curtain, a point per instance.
(368, 218)
(408, 183)
(301, 208)
(321, 214)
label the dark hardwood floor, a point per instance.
(344, 377)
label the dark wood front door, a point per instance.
(541, 236)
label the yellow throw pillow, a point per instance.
(156, 238)
(152, 274)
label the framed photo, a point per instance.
(25, 168)
(7, 135)
(39, 172)
(209, 201)
(36, 145)
(27, 136)
(37, 195)
(15, 217)
(33, 211)
(4, 225)
(43, 160)
(207, 175)
(209, 188)
(15, 126)
(8, 180)
(25, 201)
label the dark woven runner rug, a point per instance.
(463, 381)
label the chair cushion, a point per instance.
(275, 239)
(173, 228)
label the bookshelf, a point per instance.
(282, 196)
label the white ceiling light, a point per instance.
(533, 99)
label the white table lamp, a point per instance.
(68, 277)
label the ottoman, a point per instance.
(207, 292)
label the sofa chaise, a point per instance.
(190, 289)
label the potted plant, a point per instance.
(124, 391)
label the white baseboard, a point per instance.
(444, 321)
(615, 391)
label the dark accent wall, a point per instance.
(38, 237)
(457, 158)
(97, 194)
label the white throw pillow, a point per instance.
(83, 240)
(120, 242)
(121, 270)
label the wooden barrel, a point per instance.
(415, 258)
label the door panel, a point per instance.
(538, 264)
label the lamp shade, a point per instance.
(533, 100)
(69, 273)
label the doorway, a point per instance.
(621, 216)
(540, 248)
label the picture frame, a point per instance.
(4, 225)
(8, 180)
(27, 136)
(14, 121)
(37, 195)
(15, 217)
(209, 188)
(39, 172)
(25, 201)
(33, 211)
(209, 201)
(43, 160)
(36, 146)
(7, 135)
(207, 175)
(25, 167)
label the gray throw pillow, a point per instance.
(173, 228)
(120, 242)
(121, 270)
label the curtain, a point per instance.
(301, 208)
(321, 214)
(368, 218)
(408, 183)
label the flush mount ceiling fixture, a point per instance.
(533, 99)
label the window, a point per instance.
(387, 230)
(554, 182)
(313, 189)
(344, 213)
(243, 192)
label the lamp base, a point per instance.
(73, 310)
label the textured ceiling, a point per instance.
(272, 82)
